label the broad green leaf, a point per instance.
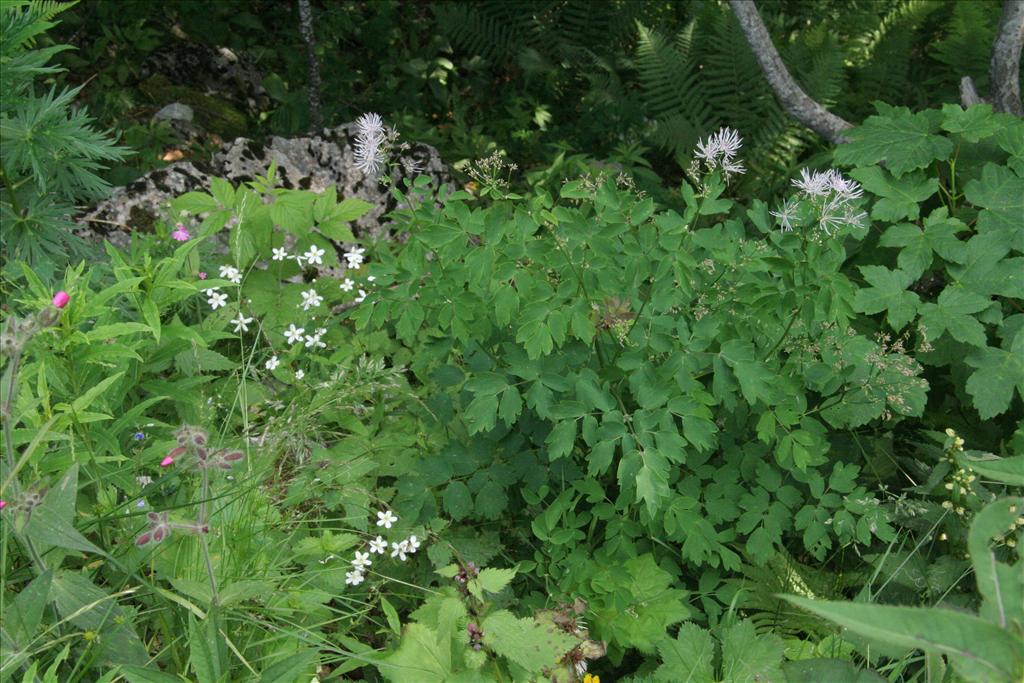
(984, 269)
(494, 580)
(1000, 192)
(997, 373)
(351, 209)
(22, 617)
(689, 657)
(85, 401)
(298, 666)
(194, 203)
(561, 439)
(114, 330)
(904, 141)
(898, 197)
(90, 608)
(652, 480)
(491, 500)
(205, 650)
(830, 670)
(754, 376)
(1004, 470)
(938, 236)
(953, 313)
(1001, 585)
(888, 292)
(978, 649)
(457, 500)
(972, 124)
(422, 656)
(750, 658)
(52, 523)
(526, 642)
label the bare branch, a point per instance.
(1004, 70)
(312, 65)
(968, 93)
(790, 95)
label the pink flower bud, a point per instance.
(60, 299)
(202, 275)
(3, 504)
(167, 462)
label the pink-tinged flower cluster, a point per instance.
(180, 234)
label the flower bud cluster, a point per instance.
(16, 333)
(192, 442)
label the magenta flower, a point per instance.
(202, 275)
(3, 504)
(180, 234)
(61, 299)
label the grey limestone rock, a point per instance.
(313, 163)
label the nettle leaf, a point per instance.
(938, 236)
(998, 373)
(888, 292)
(1000, 192)
(457, 500)
(898, 197)
(526, 642)
(494, 580)
(904, 141)
(750, 658)
(953, 313)
(491, 500)
(690, 656)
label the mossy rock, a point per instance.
(212, 114)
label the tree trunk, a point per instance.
(799, 105)
(312, 65)
(1004, 70)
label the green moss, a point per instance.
(212, 113)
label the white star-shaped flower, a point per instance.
(299, 374)
(216, 299)
(273, 363)
(362, 560)
(386, 518)
(354, 577)
(413, 544)
(314, 341)
(378, 545)
(355, 257)
(314, 255)
(311, 299)
(241, 323)
(399, 550)
(280, 254)
(294, 334)
(361, 296)
(231, 273)
(347, 285)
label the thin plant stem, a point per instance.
(215, 598)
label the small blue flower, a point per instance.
(139, 436)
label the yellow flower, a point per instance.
(591, 678)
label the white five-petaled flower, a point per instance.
(386, 518)
(241, 323)
(378, 545)
(370, 139)
(399, 550)
(361, 296)
(311, 299)
(294, 334)
(273, 363)
(371, 278)
(354, 577)
(347, 285)
(355, 257)
(216, 299)
(299, 374)
(362, 560)
(314, 340)
(314, 255)
(231, 273)
(280, 254)
(412, 543)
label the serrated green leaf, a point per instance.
(526, 642)
(997, 373)
(494, 580)
(560, 441)
(690, 656)
(458, 502)
(888, 292)
(904, 141)
(953, 313)
(1000, 192)
(972, 124)
(898, 197)
(751, 658)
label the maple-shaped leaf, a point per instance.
(904, 141)
(898, 197)
(1000, 192)
(938, 236)
(998, 372)
(985, 271)
(888, 292)
(975, 123)
(953, 313)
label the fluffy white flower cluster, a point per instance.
(719, 152)
(371, 139)
(379, 546)
(830, 194)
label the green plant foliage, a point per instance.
(52, 155)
